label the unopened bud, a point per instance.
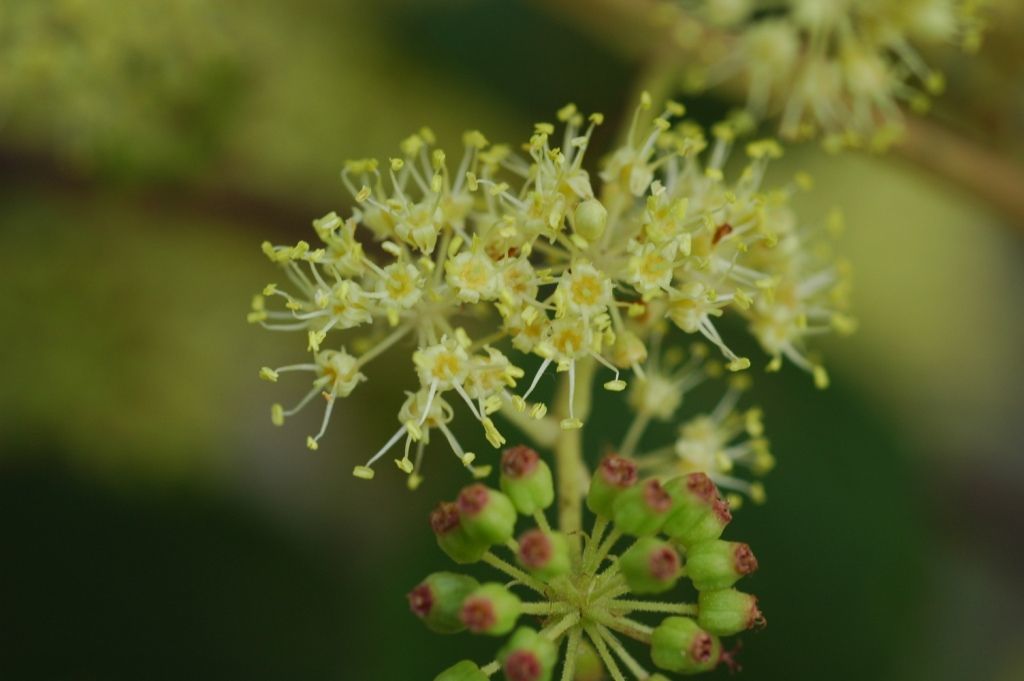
(526, 479)
(700, 514)
(452, 537)
(728, 611)
(438, 599)
(486, 514)
(590, 219)
(717, 564)
(544, 554)
(528, 656)
(679, 645)
(490, 609)
(588, 664)
(650, 566)
(614, 475)
(642, 509)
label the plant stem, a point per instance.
(512, 571)
(571, 651)
(626, 606)
(569, 466)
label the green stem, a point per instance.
(626, 626)
(545, 608)
(627, 606)
(555, 630)
(571, 651)
(569, 466)
(512, 571)
(491, 668)
(616, 645)
(606, 656)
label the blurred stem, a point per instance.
(569, 466)
(993, 178)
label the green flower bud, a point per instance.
(526, 479)
(528, 656)
(728, 611)
(717, 564)
(699, 513)
(544, 554)
(490, 609)
(679, 645)
(613, 475)
(590, 219)
(588, 664)
(438, 599)
(642, 509)
(486, 514)
(462, 671)
(452, 537)
(650, 566)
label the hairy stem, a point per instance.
(569, 466)
(513, 572)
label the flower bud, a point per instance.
(588, 664)
(728, 611)
(699, 513)
(438, 599)
(642, 509)
(544, 554)
(613, 475)
(590, 219)
(462, 671)
(526, 479)
(717, 564)
(452, 537)
(486, 514)
(490, 609)
(528, 656)
(650, 566)
(679, 645)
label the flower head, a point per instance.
(540, 261)
(588, 594)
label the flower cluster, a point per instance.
(535, 257)
(587, 591)
(838, 67)
(719, 443)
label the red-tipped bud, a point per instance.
(650, 566)
(526, 479)
(700, 514)
(717, 564)
(544, 554)
(486, 514)
(679, 645)
(728, 611)
(453, 539)
(438, 599)
(490, 609)
(642, 509)
(528, 656)
(613, 475)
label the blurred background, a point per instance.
(154, 524)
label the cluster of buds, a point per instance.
(586, 593)
(838, 67)
(540, 260)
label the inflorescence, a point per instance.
(539, 258)
(586, 597)
(840, 68)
